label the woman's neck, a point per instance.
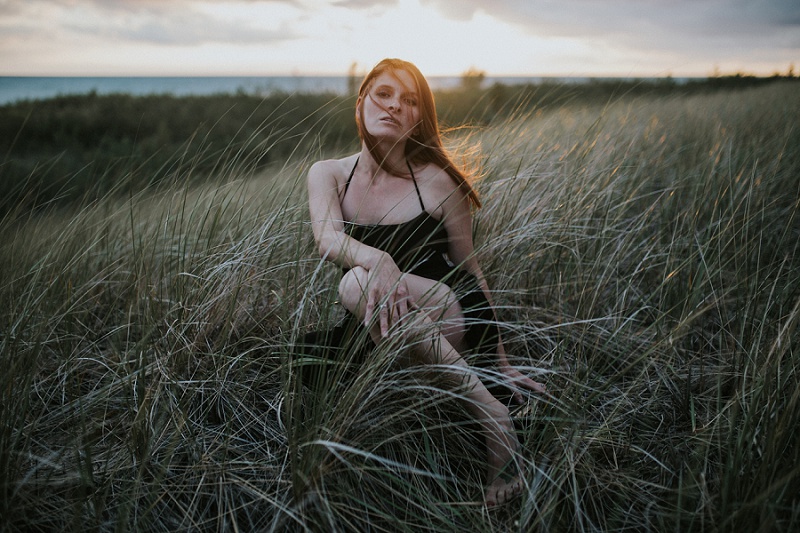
(395, 159)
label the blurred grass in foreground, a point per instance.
(644, 255)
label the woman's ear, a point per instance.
(358, 109)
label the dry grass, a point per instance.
(644, 257)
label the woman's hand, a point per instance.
(386, 290)
(516, 381)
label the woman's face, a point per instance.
(390, 108)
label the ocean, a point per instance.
(14, 89)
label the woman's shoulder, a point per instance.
(439, 190)
(431, 175)
(436, 179)
(337, 169)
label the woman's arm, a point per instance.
(327, 223)
(457, 219)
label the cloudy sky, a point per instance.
(444, 37)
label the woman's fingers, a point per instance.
(369, 309)
(518, 381)
(387, 297)
(385, 316)
(375, 304)
(531, 385)
(396, 307)
(402, 307)
(401, 299)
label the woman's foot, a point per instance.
(506, 486)
(504, 473)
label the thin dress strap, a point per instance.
(349, 178)
(414, 179)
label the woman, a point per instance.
(397, 218)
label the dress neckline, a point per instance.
(416, 188)
(424, 215)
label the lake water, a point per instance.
(33, 88)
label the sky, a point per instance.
(443, 37)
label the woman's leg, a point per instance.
(435, 334)
(434, 298)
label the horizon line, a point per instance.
(666, 75)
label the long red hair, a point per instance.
(425, 145)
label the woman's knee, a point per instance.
(352, 288)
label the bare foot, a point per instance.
(504, 474)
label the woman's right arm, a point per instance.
(327, 223)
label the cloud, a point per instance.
(602, 36)
(631, 17)
(779, 12)
(654, 34)
(178, 22)
(190, 28)
(365, 4)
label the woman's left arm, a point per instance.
(457, 219)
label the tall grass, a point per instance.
(644, 257)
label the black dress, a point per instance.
(418, 246)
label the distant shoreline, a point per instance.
(17, 88)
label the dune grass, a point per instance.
(644, 259)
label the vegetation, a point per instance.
(644, 254)
(79, 148)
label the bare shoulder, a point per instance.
(335, 170)
(433, 178)
(438, 186)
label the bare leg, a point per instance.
(431, 345)
(502, 446)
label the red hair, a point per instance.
(425, 145)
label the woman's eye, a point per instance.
(411, 101)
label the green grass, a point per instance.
(644, 257)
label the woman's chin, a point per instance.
(389, 134)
